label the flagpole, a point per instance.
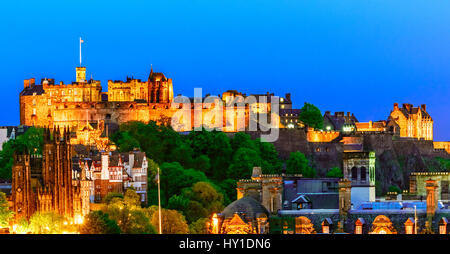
(80, 51)
(159, 203)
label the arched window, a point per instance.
(354, 173)
(363, 173)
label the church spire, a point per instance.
(151, 73)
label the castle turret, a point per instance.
(81, 74)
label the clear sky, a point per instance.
(357, 56)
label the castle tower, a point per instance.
(359, 168)
(81, 74)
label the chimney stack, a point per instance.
(424, 107)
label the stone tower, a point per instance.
(81, 74)
(359, 168)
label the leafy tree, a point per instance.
(98, 222)
(5, 213)
(31, 141)
(242, 139)
(174, 178)
(111, 196)
(271, 163)
(204, 200)
(242, 164)
(228, 188)
(172, 222)
(310, 115)
(216, 146)
(47, 223)
(299, 164)
(395, 188)
(199, 226)
(127, 212)
(335, 172)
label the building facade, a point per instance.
(413, 122)
(49, 182)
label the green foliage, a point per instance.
(395, 188)
(199, 226)
(172, 221)
(335, 172)
(98, 222)
(111, 196)
(47, 223)
(127, 212)
(243, 162)
(202, 200)
(5, 213)
(444, 163)
(174, 178)
(31, 141)
(311, 116)
(299, 164)
(200, 156)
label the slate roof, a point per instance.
(339, 119)
(38, 89)
(247, 205)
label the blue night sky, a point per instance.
(357, 56)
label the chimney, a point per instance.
(288, 96)
(407, 106)
(396, 106)
(26, 83)
(327, 113)
(256, 172)
(424, 107)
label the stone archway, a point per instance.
(382, 225)
(303, 226)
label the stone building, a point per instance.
(243, 216)
(359, 168)
(74, 105)
(417, 184)
(49, 182)
(413, 122)
(115, 172)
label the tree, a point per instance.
(335, 172)
(242, 164)
(173, 222)
(395, 188)
(111, 196)
(47, 223)
(199, 226)
(310, 115)
(32, 141)
(299, 164)
(203, 200)
(174, 178)
(5, 213)
(98, 222)
(127, 212)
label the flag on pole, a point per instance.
(81, 40)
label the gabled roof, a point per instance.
(38, 89)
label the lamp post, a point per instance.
(415, 220)
(159, 203)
